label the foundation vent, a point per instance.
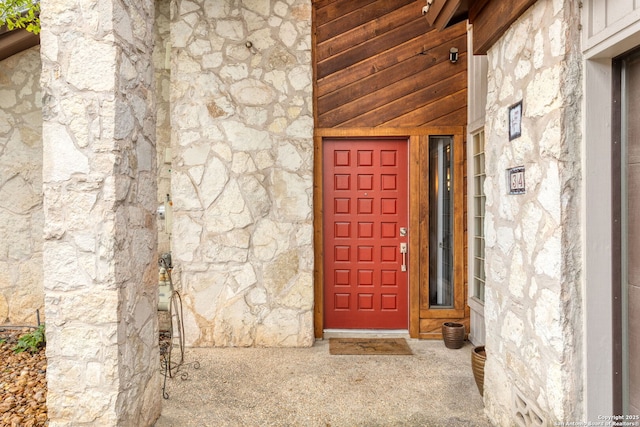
(525, 413)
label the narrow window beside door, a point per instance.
(479, 201)
(441, 284)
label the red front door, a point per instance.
(365, 226)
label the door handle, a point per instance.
(403, 251)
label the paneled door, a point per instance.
(365, 221)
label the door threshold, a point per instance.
(365, 333)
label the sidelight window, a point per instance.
(441, 222)
(479, 202)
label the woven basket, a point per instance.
(478, 358)
(453, 334)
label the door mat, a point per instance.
(369, 346)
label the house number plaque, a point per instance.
(515, 177)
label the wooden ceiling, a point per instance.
(379, 63)
(490, 18)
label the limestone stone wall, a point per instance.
(99, 186)
(533, 295)
(162, 66)
(242, 127)
(21, 218)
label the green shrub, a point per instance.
(31, 341)
(20, 14)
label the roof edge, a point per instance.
(15, 41)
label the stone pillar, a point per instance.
(533, 307)
(99, 179)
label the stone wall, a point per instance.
(242, 181)
(21, 218)
(99, 186)
(162, 67)
(533, 244)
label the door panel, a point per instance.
(365, 199)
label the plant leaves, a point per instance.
(20, 14)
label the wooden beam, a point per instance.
(12, 42)
(388, 131)
(318, 240)
(415, 196)
(493, 20)
(446, 14)
(490, 18)
(475, 7)
(441, 12)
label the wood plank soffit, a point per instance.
(490, 18)
(493, 20)
(440, 13)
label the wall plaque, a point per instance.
(515, 121)
(515, 180)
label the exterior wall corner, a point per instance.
(99, 186)
(533, 307)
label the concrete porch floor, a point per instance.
(310, 387)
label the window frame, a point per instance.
(473, 300)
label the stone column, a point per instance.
(533, 307)
(99, 179)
